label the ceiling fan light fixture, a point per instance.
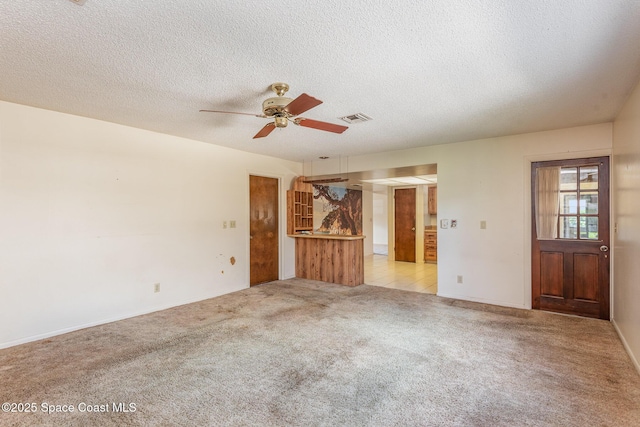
(281, 122)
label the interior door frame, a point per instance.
(282, 222)
(526, 196)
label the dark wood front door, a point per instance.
(570, 273)
(405, 224)
(263, 228)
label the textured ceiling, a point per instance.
(427, 72)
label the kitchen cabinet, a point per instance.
(430, 245)
(432, 200)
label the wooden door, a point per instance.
(405, 224)
(570, 274)
(263, 228)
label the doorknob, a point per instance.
(250, 237)
(413, 229)
(604, 248)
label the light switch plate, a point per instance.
(444, 223)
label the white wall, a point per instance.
(489, 180)
(93, 214)
(380, 217)
(626, 213)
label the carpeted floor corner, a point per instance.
(306, 353)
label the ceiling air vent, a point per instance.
(356, 118)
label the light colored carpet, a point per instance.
(306, 353)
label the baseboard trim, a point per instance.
(50, 334)
(626, 346)
(483, 301)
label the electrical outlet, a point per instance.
(232, 224)
(156, 287)
(459, 279)
(454, 223)
(483, 225)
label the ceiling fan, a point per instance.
(284, 110)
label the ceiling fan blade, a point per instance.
(233, 112)
(301, 104)
(266, 130)
(315, 124)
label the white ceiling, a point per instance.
(427, 72)
(404, 180)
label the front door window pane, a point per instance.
(569, 227)
(589, 227)
(589, 178)
(578, 216)
(568, 179)
(589, 203)
(569, 203)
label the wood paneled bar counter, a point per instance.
(330, 258)
(333, 258)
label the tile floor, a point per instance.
(417, 277)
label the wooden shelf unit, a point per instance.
(300, 207)
(299, 211)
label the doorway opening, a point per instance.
(380, 219)
(385, 267)
(380, 266)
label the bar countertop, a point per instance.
(327, 236)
